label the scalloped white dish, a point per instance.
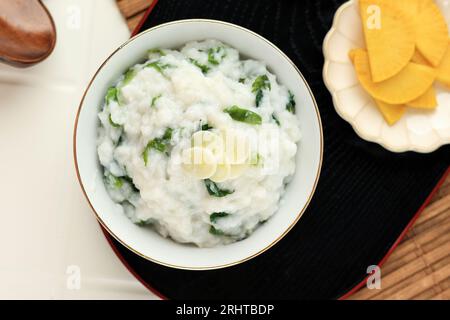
(419, 130)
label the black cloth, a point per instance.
(365, 198)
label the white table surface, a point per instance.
(51, 245)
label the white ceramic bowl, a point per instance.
(420, 131)
(147, 242)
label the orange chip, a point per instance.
(391, 113)
(409, 7)
(420, 59)
(423, 3)
(409, 84)
(431, 33)
(425, 101)
(389, 34)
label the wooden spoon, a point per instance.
(27, 32)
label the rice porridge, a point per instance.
(198, 143)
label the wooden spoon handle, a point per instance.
(27, 32)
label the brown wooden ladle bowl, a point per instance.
(27, 32)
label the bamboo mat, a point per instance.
(419, 268)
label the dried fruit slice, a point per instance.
(425, 101)
(443, 75)
(389, 35)
(409, 7)
(424, 3)
(419, 58)
(443, 70)
(405, 86)
(431, 33)
(391, 113)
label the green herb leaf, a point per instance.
(158, 66)
(202, 67)
(167, 134)
(129, 75)
(290, 106)
(212, 54)
(158, 144)
(214, 190)
(156, 51)
(114, 181)
(115, 125)
(244, 115)
(258, 98)
(277, 121)
(154, 99)
(211, 58)
(143, 223)
(215, 231)
(145, 154)
(242, 80)
(206, 127)
(213, 218)
(118, 183)
(217, 215)
(120, 99)
(111, 95)
(260, 83)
